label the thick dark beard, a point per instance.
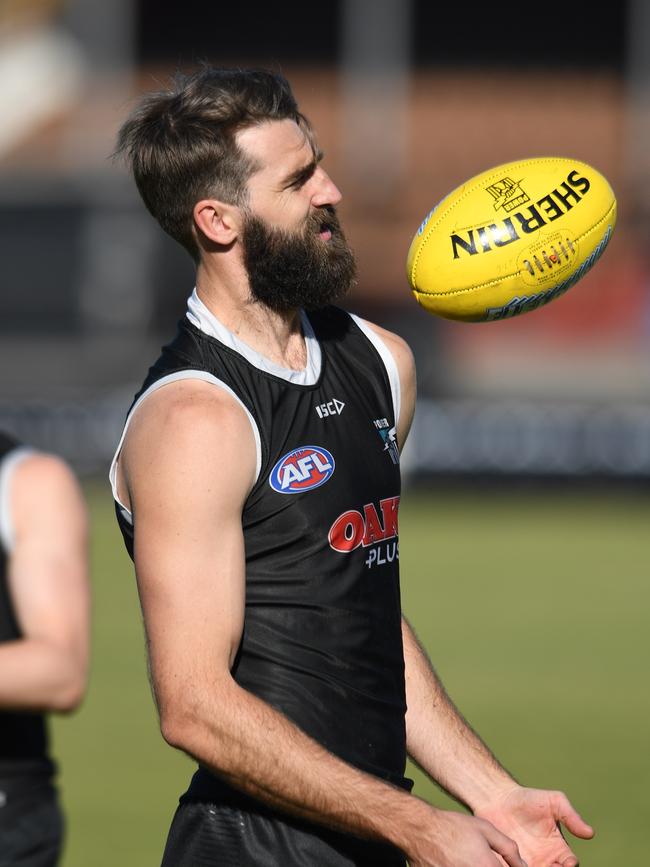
(291, 270)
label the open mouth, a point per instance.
(324, 224)
(325, 231)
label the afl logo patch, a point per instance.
(303, 469)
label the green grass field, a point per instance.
(535, 611)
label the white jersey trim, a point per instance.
(204, 319)
(7, 468)
(166, 380)
(389, 363)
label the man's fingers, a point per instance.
(504, 846)
(572, 820)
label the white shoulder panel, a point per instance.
(389, 363)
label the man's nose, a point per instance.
(326, 192)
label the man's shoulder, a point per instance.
(392, 339)
(44, 475)
(33, 467)
(187, 417)
(396, 345)
(184, 433)
(46, 500)
(188, 403)
(333, 321)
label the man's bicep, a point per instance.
(189, 466)
(191, 585)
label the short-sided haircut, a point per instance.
(181, 145)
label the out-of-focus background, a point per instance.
(409, 99)
(525, 507)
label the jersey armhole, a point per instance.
(166, 380)
(389, 362)
(7, 468)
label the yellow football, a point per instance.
(511, 239)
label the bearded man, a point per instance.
(257, 486)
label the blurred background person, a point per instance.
(44, 642)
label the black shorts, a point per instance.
(211, 835)
(31, 823)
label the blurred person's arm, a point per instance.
(46, 669)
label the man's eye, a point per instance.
(300, 182)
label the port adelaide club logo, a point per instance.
(303, 469)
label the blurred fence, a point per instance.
(516, 438)
(457, 439)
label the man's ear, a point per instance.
(217, 221)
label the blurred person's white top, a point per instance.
(7, 467)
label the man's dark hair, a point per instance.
(181, 147)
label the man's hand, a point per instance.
(532, 818)
(457, 840)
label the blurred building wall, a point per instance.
(91, 287)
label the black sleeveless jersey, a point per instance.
(23, 737)
(322, 633)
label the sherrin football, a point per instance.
(511, 239)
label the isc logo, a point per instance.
(332, 407)
(301, 470)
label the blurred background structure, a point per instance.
(409, 99)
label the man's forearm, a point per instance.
(259, 751)
(440, 740)
(36, 675)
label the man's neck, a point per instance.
(276, 336)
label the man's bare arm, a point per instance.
(440, 739)
(442, 742)
(187, 467)
(48, 582)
